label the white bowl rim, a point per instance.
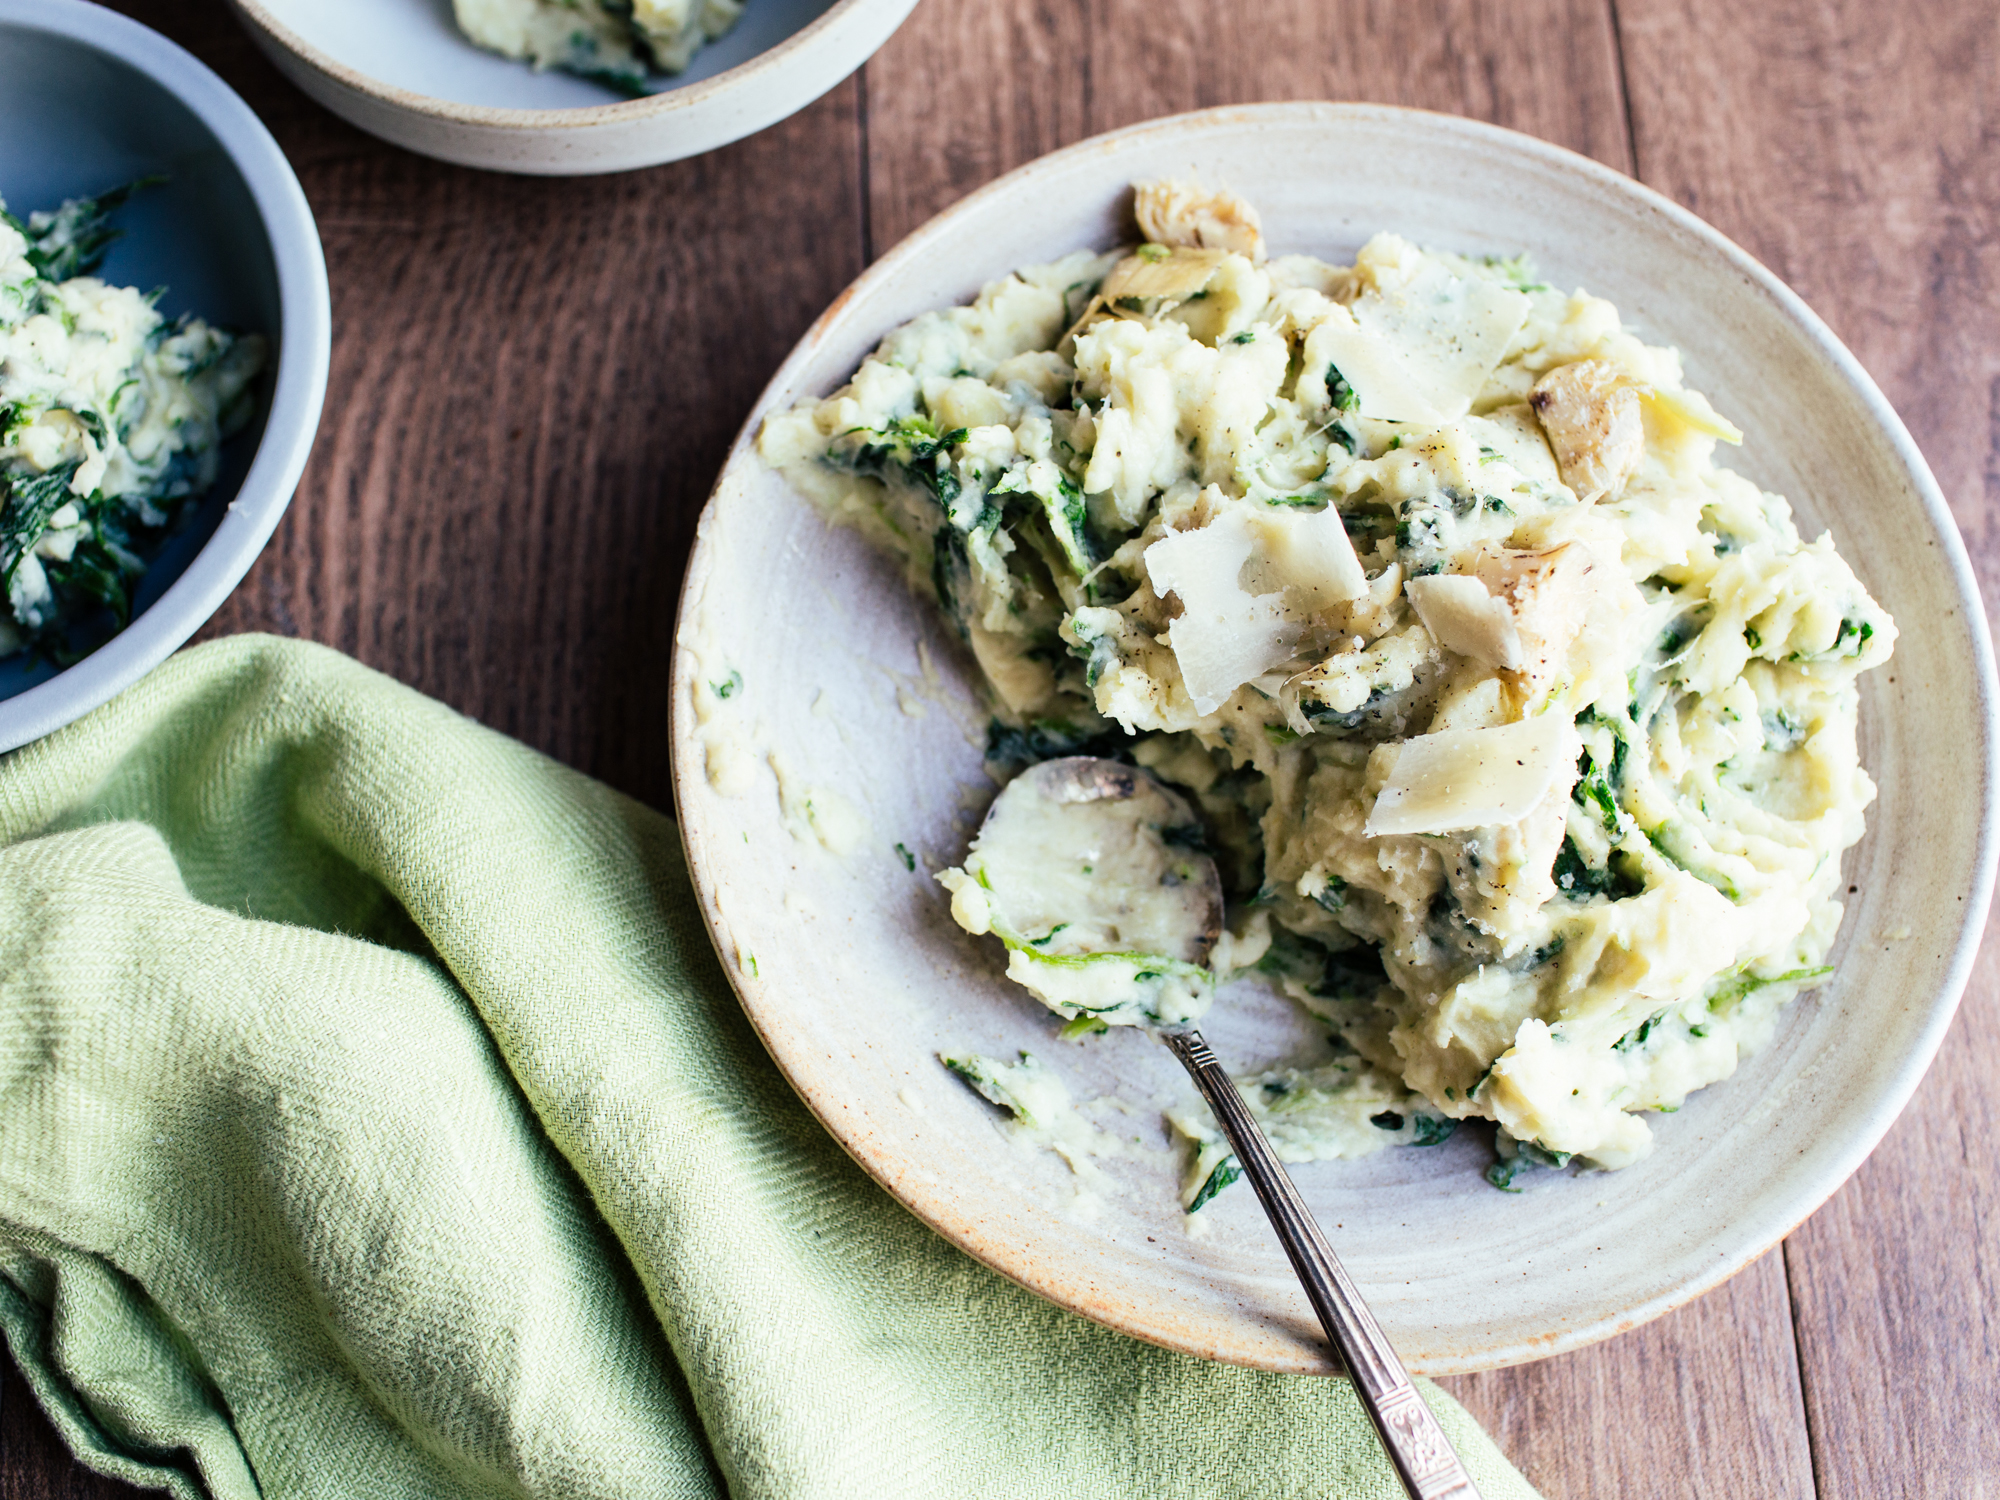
(584, 117)
(1766, 1231)
(297, 394)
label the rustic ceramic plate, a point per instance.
(855, 977)
(401, 70)
(88, 100)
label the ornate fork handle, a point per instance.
(1417, 1446)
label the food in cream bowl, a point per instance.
(567, 87)
(1525, 732)
(615, 45)
(1527, 736)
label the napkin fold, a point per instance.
(376, 1121)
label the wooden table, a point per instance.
(534, 383)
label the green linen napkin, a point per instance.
(376, 1121)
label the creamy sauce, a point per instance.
(1525, 729)
(1044, 1117)
(1336, 1110)
(718, 699)
(817, 814)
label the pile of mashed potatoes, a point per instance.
(1522, 733)
(615, 43)
(110, 418)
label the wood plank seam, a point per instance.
(1625, 91)
(867, 214)
(1094, 22)
(1805, 1374)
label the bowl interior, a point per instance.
(416, 45)
(77, 121)
(851, 969)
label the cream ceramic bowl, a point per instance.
(855, 977)
(400, 69)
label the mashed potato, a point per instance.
(607, 40)
(1523, 733)
(110, 419)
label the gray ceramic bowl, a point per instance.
(89, 99)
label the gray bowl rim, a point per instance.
(305, 350)
(1762, 1231)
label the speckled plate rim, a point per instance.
(805, 65)
(817, 1077)
(298, 391)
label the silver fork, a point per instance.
(1422, 1454)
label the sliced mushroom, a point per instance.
(1550, 594)
(1462, 615)
(1593, 422)
(1160, 275)
(1187, 214)
(1104, 856)
(1092, 874)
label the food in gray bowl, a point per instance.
(112, 416)
(221, 239)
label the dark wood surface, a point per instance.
(534, 383)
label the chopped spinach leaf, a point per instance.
(1432, 1130)
(1745, 983)
(1226, 1171)
(1339, 394)
(1860, 632)
(26, 503)
(1636, 1037)
(1096, 649)
(1527, 1156)
(1333, 895)
(1048, 739)
(910, 448)
(951, 575)
(72, 240)
(1517, 272)
(1579, 880)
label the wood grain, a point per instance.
(1855, 149)
(493, 333)
(1703, 1402)
(34, 1464)
(1034, 75)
